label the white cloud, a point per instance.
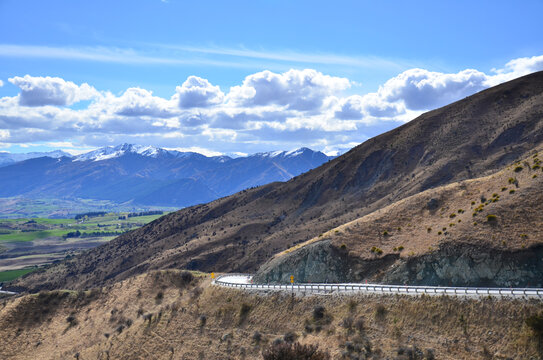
(198, 93)
(422, 89)
(266, 111)
(141, 102)
(295, 89)
(40, 91)
(1, 83)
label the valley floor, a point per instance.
(172, 315)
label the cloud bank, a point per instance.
(267, 110)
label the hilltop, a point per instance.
(469, 139)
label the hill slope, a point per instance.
(471, 138)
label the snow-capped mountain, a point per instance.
(149, 175)
(110, 152)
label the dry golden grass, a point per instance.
(172, 326)
(411, 226)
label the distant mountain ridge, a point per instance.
(7, 158)
(148, 175)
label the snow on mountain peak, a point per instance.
(110, 152)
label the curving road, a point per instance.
(244, 281)
(7, 292)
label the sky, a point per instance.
(240, 77)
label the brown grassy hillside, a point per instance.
(498, 214)
(160, 316)
(467, 139)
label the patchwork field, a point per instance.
(26, 244)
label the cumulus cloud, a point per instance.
(141, 102)
(1, 83)
(295, 89)
(421, 89)
(40, 91)
(265, 111)
(198, 93)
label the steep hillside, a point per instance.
(471, 138)
(482, 232)
(162, 315)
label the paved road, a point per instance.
(245, 281)
(7, 292)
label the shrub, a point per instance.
(504, 188)
(244, 310)
(460, 211)
(159, 296)
(429, 229)
(473, 203)
(535, 323)
(293, 351)
(359, 325)
(203, 320)
(400, 248)
(452, 215)
(186, 277)
(518, 168)
(257, 337)
(318, 312)
(475, 223)
(512, 191)
(512, 180)
(380, 311)
(385, 233)
(524, 236)
(535, 167)
(290, 337)
(343, 247)
(534, 176)
(439, 233)
(491, 218)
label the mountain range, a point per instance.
(147, 175)
(475, 160)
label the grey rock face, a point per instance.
(451, 265)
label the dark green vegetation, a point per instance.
(13, 274)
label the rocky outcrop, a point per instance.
(450, 265)
(465, 265)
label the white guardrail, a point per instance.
(244, 281)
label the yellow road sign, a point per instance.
(292, 279)
(213, 275)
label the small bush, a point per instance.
(535, 323)
(290, 337)
(385, 233)
(318, 312)
(518, 168)
(452, 215)
(512, 191)
(473, 203)
(257, 337)
(491, 218)
(400, 248)
(439, 233)
(186, 277)
(504, 188)
(429, 229)
(203, 320)
(460, 211)
(380, 311)
(159, 296)
(294, 351)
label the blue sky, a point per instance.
(247, 76)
